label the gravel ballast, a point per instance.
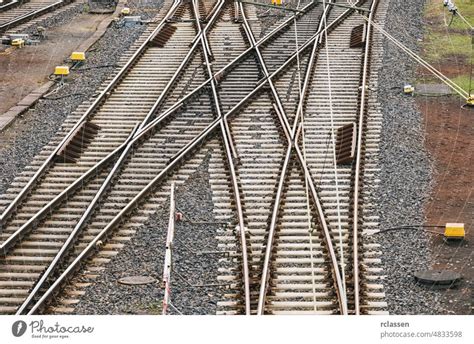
(24, 139)
(406, 171)
(194, 288)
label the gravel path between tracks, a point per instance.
(406, 169)
(64, 17)
(144, 255)
(24, 139)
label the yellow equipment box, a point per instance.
(454, 231)
(78, 56)
(276, 2)
(125, 11)
(470, 100)
(61, 70)
(18, 42)
(408, 89)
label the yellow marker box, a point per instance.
(454, 231)
(276, 2)
(470, 100)
(18, 42)
(78, 56)
(61, 70)
(125, 11)
(408, 89)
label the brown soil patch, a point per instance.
(453, 66)
(449, 138)
(26, 69)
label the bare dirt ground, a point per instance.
(28, 68)
(449, 138)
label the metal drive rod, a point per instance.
(168, 254)
(360, 137)
(103, 95)
(79, 226)
(230, 154)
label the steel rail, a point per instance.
(28, 16)
(77, 184)
(164, 93)
(68, 244)
(104, 94)
(285, 124)
(97, 102)
(271, 234)
(140, 133)
(230, 154)
(102, 236)
(230, 65)
(11, 4)
(145, 191)
(163, 173)
(265, 275)
(81, 223)
(63, 195)
(360, 137)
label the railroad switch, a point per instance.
(408, 89)
(454, 231)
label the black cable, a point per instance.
(95, 67)
(65, 96)
(409, 227)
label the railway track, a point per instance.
(200, 83)
(16, 13)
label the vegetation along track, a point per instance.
(202, 82)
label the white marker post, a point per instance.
(169, 247)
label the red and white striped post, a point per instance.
(169, 247)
